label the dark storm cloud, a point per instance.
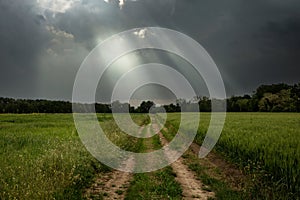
(95, 20)
(279, 47)
(285, 33)
(268, 49)
(237, 35)
(21, 39)
(252, 42)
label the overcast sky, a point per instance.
(43, 42)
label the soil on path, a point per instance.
(191, 186)
(227, 172)
(114, 184)
(111, 185)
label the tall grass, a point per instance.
(266, 145)
(42, 156)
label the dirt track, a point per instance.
(113, 185)
(110, 185)
(191, 186)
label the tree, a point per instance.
(145, 106)
(295, 94)
(273, 89)
(279, 102)
(243, 105)
(204, 104)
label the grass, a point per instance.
(42, 156)
(264, 145)
(154, 185)
(160, 184)
(219, 187)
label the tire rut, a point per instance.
(114, 184)
(191, 186)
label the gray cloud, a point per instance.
(252, 42)
(22, 37)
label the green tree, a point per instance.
(145, 106)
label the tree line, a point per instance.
(266, 98)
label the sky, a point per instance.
(44, 42)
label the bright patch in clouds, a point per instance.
(141, 33)
(121, 3)
(57, 5)
(59, 33)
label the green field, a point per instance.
(42, 156)
(266, 145)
